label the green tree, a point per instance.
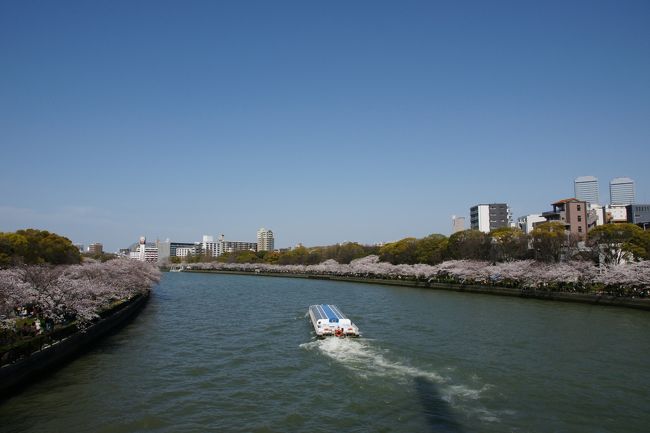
(296, 256)
(272, 257)
(31, 246)
(508, 244)
(431, 249)
(616, 243)
(468, 245)
(549, 240)
(400, 252)
(246, 257)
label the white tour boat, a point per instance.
(329, 320)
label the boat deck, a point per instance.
(329, 320)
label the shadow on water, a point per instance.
(437, 411)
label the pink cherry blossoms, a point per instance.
(75, 292)
(627, 279)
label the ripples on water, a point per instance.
(237, 354)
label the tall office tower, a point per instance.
(265, 240)
(487, 217)
(621, 191)
(586, 189)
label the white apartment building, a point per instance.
(265, 241)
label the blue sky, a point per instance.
(324, 121)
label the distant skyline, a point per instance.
(322, 121)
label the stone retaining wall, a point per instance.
(15, 376)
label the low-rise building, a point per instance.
(639, 214)
(527, 223)
(96, 248)
(167, 249)
(615, 213)
(224, 246)
(573, 214)
(145, 252)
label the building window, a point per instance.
(579, 207)
(579, 229)
(579, 218)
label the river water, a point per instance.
(230, 353)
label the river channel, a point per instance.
(230, 353)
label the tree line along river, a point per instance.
(236, 353)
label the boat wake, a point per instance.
(365, 360)
(368, 361)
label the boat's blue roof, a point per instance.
(327, 311)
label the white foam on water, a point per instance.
(361, 357)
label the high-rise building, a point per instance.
(458, 224)
(586, 189)
(265, 241)
(621, 191)
(487, 217)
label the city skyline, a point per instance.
(366, 122)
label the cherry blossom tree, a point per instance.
(75, 292)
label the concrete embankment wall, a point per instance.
(14, 376)
(585, 298)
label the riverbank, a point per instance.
(21, 372)
(585, 298)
